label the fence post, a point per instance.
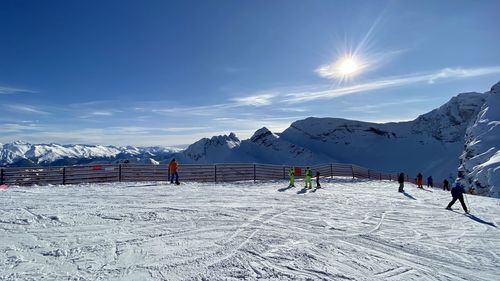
(254, 173)
(64, 176)
(215, 172)
(352, 171)
(369, 176)
(331, 171)
(119, 172)
(284, 176)
(1, 176)
(390, 177)
(380, 176)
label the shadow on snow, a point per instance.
(409, 195)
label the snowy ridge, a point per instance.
(348, 230)
(215, 149)
(263, 147)
(480, 162)
(25, 154)
(430, 144)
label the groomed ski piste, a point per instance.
(348, 230)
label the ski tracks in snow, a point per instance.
(347, 230)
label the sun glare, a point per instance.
(344, 68)
(348, 66)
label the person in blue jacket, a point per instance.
(457, 192)
(429, 181)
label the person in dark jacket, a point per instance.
(446, 185)
(317, 180)
(429, 181)
(457, 192)
(401, 180)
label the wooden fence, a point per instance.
(188, 172)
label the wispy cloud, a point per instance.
(375, 108)
(17, 128)
(204, 110)
(284, 99)
(103, 136)
(429, 77)
(256, 100)
(22, 108)
(101, 113)
(185, 129)
(11, 90)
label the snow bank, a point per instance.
(346, 231)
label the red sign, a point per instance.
(298, 171)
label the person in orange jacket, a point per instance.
(420, 180)
(172, 168)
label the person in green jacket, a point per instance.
(308, 177)
(291, 174)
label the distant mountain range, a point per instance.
(464, 132)
(25, 154)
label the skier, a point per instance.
(291, 174)
(457, 192)
(308, 177)
(446, 185)
(172, 167)
(401, 180)
(317, 180)
(429, 181)
(419, 180)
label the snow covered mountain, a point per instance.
(263, 147)
(480, 162)
(25, 154)
(430, 144)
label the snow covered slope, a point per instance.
(480, 162)
(347, 231)
(25, 154)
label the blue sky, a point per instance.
(171, 72)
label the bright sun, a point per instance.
(348, 66)
(343, 69)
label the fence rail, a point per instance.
(188, 172)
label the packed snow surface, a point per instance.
(348, 230)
